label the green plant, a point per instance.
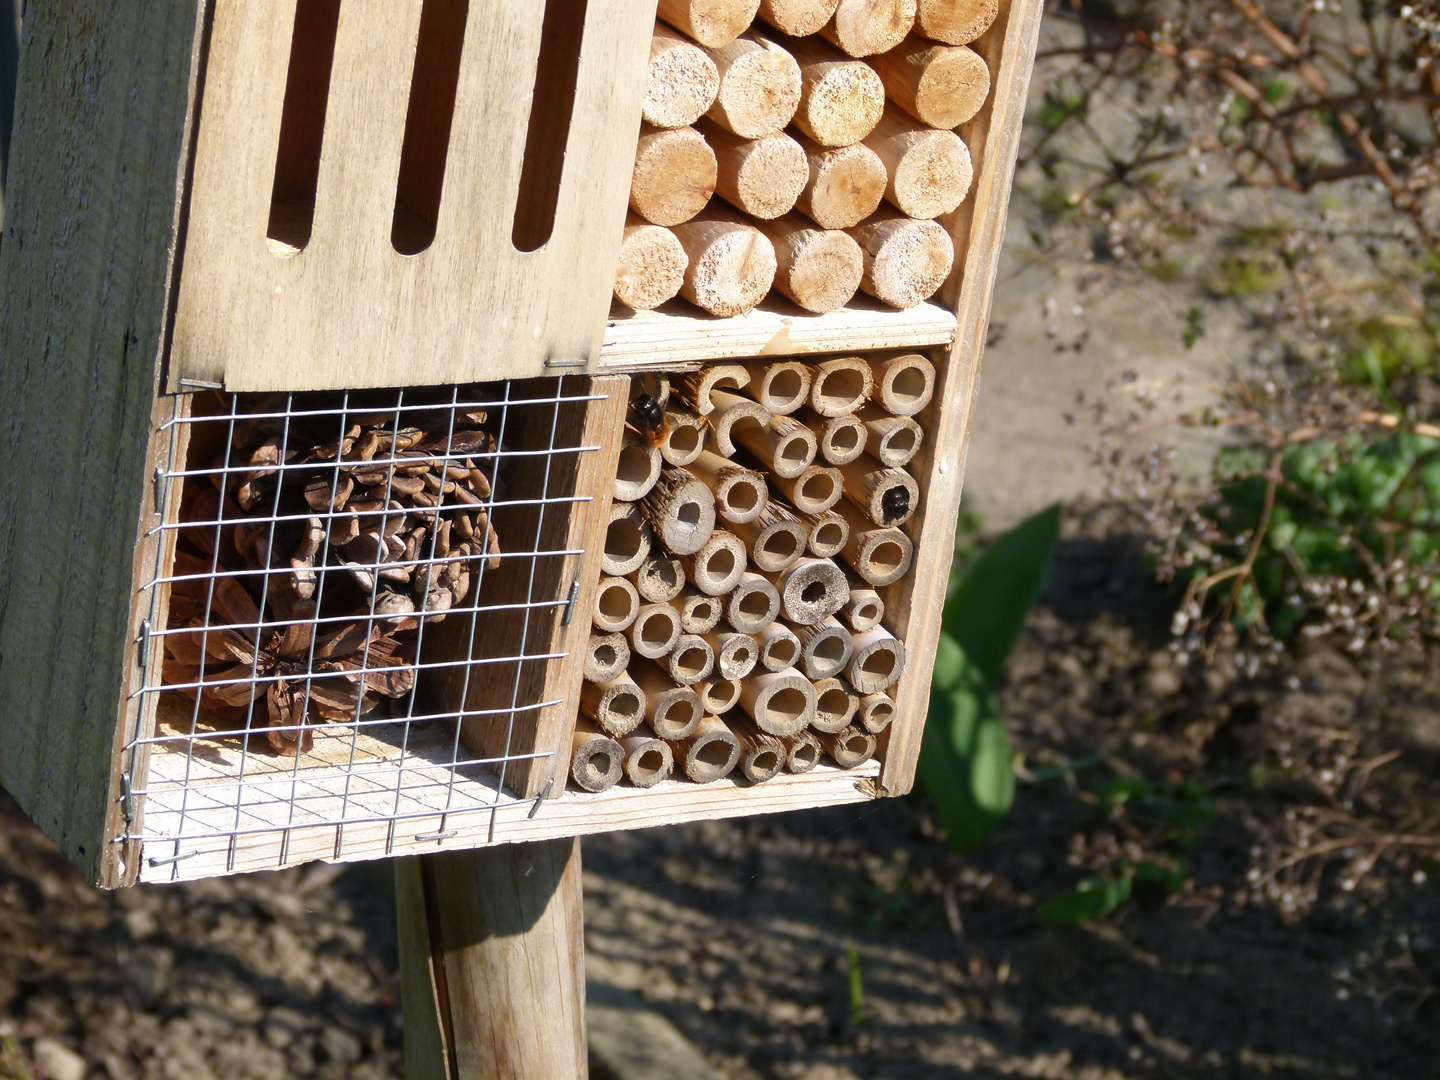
(965, 756)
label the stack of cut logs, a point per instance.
(738, 622)
(802, 140)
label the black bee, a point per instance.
(895, 504)
(650, 419)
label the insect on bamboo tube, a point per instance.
(736, 655)
(732, 411)
(654, 383)
(819, 269)
(825, 648)
(785, 445)
(942, 86)
(651, 267)
(671, 710)
(740, 493)
(762, 755)
(864, 610)
(776, 538)
(674, 174)
(616, 604)
(779, 386)
(826, 534)
(905, 260)
(655, 630)
(627, 540)
(929, 170)
(637, 469)
(876, 712)
(752, 605)
(698, 386)
(841, 99)
(879, 555)
(878, 660)
(617, 706)
(731, 265)
(691, 660)
(845, 186)
(893, 440)
(780, 702)
(762, 177)
(850, 748)
(680, 511)
(802, 752)
(840, 385)
(835, 704)
(605, 657)
(596, 760)
(710, 754)
(779, 647)
(718, 696)
(797, 17)
(867, 27)
(680, 83)
(812, 590)
(955, 22)
(814, 491)
(659, 579)
(759, 87)
(903, 384)
(710, 22)
(888, 497)
(698, 612)
(648, 760)
(684, 439)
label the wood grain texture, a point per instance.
(681, 81)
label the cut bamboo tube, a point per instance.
(850, 748)
(762, 177)
(717, 567)
(736, 654)
(876, 712)
(740, 493)
(888, 497)
(627, 540)
(759, 87)
(841, 99)
(752, 606)
(814, 491)
(867, 27)
(780, 386)
(955, 22)
(905, 260)
(878, 660)
(637, 469)
(841, 438)
(811, 591)
(617, 706)
(802, 752)
(835, 705)
(762, 755)
(776, 538)
(648, 760)
(605, 657)
(929, 169)
(680, 511)
(672, 711)
(655, 630)
(784, 444)
(903, 384)
(616, 603)
(731, 266)
(840, 385)
(674, 174)
(780, 702)
(826, 534)
(797, 17)
(697, 386)
(779, 647)
(684, 437)
(698, 612)
(596, 760)
(942, 86)
(819, 269)
(845, 185)
(652, 265)
(863, 611)
(710, 754)
(893, 440)
(680, 83)
(879, 555)
(710, 22)
(732, 411)
(659, 579)
(691, 661)
(825, 648)
(654, 383)
(718, 696)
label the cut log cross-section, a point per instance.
(759, 87)
(797, 17)
(730, 265)
(674, 175)
(905, 260)
(845, 186)
(762, 177)
(819, 269)
(680, 83)
(929, 170)
(651, 266)
(867, 27)
(710, 22)
(942, 86)
(955, 22)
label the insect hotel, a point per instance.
(437, 425)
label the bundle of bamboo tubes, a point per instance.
(758, 525)
(803, 122)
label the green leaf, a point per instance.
(965, 756)
(985, 614)
(1093, 898)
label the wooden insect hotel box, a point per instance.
(431, 424)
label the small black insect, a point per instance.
(650, 418)
(895, 504)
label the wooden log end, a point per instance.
(651, 266)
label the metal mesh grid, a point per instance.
(357, 582)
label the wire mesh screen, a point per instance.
(352, 611)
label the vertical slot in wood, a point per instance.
(427, 124)
(550, 111)
(302, 125)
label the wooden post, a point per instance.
(492, 963)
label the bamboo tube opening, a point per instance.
(764, 764)
(677, 715)
(691, 661)
(698, 613)
(597, 761)
(827, 652)
(660, 579)
(843, 441)
(900, 444)
(753, 605)
(904, 384)
(878, 661)
(876, 712)
(802, 753)
(881, 665)
(626, 544)
(718, 566)
(787, 706)
(851, 748)
(655, 631)
(779, 648)
(718, 695)
(714, 753)
(783, 388)
(828, 537)
(743, 498)
(864, 610)
(606, 656)
(840, 387)
(735, 656)
(617, 707)
(684, 443)
(616, 604)
(647, 761)
(835, 704)
(782, 546)
(817, 492)
(888, 557)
